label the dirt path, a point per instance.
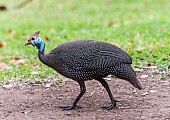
(39, 102)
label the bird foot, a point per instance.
(113, 105)
(69, 107)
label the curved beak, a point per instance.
(29, 43)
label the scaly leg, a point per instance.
(74, 104)
(113, 101)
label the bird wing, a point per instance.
(91, 55)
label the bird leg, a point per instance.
(113, 101)
(74, 104)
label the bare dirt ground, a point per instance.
(39, 102)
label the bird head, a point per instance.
(36, 41)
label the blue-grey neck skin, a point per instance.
(40, 45)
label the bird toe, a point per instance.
(113, 105)
(68, 107)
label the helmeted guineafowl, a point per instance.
(83, 60)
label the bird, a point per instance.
(82, 60)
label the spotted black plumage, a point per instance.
(83, 60)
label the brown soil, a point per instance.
(39, 102)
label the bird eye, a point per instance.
(33, 38)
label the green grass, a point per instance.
(136, 26)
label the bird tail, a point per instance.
(127, 73)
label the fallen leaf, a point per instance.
(2, 45)
(150, 51)
(16, 58)
(47, 39)
(3, 8)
